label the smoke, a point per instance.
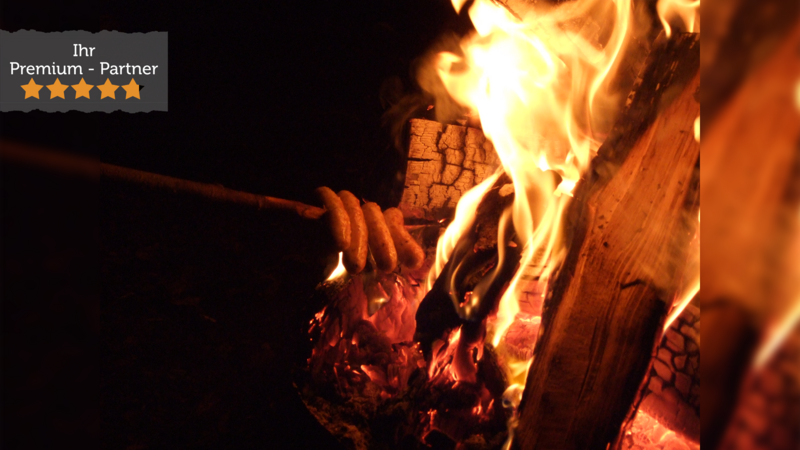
(428, 98)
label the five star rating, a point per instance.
(82, 89)
(84, 71)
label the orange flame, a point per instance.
(539, 85)
(339, 271)
(647, 432)
(784, 318)
(691, 277)
(687, 11)
(465, 215)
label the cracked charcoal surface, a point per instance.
(444, 162)
(673, 390)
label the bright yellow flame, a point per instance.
(465, 215)
(797, 95)
(339, 271)
(688, 11)
(776, 334)
(540, 87)
(458, 4)
(685, 298)
(779, 328)
(691, 275)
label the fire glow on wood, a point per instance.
(444, 351)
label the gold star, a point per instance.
(31, 89)
(107, 89)
(57, 89)
(131, 89)
(82, 89)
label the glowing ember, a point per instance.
(356, 348)
(540, 86)
(647, 433)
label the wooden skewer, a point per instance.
(77, 165)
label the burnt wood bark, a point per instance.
(631, 220)
(444, 162)
(474, 255)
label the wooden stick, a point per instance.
(76, 165)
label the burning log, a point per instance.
(632, 218)
(475, 254)
(360, 348)
(366, 381)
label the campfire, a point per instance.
(540, 292)
(509, 257)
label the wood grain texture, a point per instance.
(631, 220)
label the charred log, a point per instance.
(351, 387)
(606, 305)
(444, 162)
(475, 255)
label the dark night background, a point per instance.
(157, 321)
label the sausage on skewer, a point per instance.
(355, 256)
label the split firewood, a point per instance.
(631, 220)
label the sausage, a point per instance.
(409, 252)
(355, 256)
(380, 240)
(337, 217)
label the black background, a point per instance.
(157, 321)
